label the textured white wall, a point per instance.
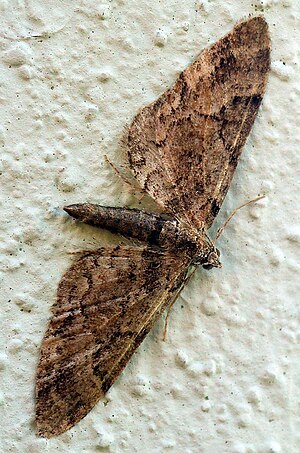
(73, 74)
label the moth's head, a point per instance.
(209, 255)
(212, 260)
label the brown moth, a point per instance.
(183, 150)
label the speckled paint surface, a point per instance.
(72, 76)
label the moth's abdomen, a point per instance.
(131, 223)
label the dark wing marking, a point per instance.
(107, 302)
(184, 148)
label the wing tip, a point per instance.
(253, 26)
(253, 21)
(56, 414)
(47, 432)
(48, 428)
(49, 420)
(49, 423)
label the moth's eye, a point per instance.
(207, 266)
(218, 252)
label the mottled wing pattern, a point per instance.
(106, 304)
(184, 148)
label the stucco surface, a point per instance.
(72, 75)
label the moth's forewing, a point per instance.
(106, 304)
(184, 148)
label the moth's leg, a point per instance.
(121, 176)
(221, 229)
(185, 282)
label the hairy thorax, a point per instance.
(195, 243)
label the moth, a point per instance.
(183, 150)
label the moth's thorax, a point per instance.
(194, 243)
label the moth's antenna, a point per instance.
(221, 229)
